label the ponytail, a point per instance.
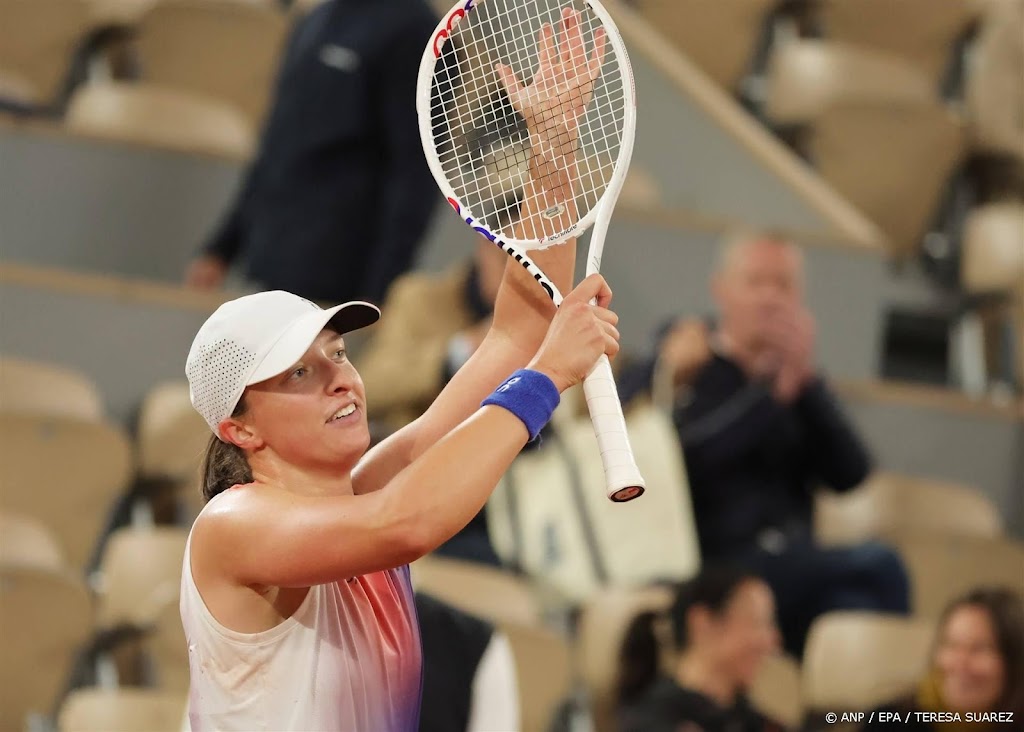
(638, 659)
(225, 465)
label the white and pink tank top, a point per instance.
(348, 660)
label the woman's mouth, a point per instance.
(342, 413)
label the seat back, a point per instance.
(720, 37)
(923, 32)
(492, 594)
(45, 617)
(994, 94)
(993, 248)
(857, 660)
(943, 568)
(35, 387)
(222, 49)
(890, 504)
(602, 628)
(172, 437)
(26, 541)
(167, 648)
(140, 572)
(103, 710)
(776, 691)
(65, 473)
(149, 114)
(39, 39)
(543, 674)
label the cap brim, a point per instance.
(299, 336)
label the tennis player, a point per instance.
(296, 600)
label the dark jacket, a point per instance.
(339, 196)
(667, 707)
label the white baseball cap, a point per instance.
(255, 338)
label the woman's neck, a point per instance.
(699, 674)
(305, 480)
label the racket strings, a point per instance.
(483, 143)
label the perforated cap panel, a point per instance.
(217, 375)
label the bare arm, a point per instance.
(522, 310)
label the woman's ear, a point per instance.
(236, 432)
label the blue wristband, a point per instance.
(530, 395)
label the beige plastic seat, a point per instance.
(45, 617)
(172, 437)
(890, 504)
(223, 49)
(489, 593)
(776, 691)
(942, 568)
(804, 77)
(148, 114)
(35, 387)
(25, 541)
(167, 649)
(922, 31)
(993, 248)
(38, 40)
(994, 93)
(603, 623)
(17, 88)
(892, 161)
(543, 673)
(140, 572)
(122, 710)
(65, 473)
(856, 661)
(720, 37)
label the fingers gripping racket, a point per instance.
(527, 116)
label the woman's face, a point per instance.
(314, 414)
(967, 658)
(745, 632)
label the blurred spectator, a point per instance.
(469, 673)
(761, 432)
(339, 196)
(723, 627)
(434, 324)
(977, 666)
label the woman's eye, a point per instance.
(299, 372)
(340, 354)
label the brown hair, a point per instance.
(225, 465)
(1005, 610)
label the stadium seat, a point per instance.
(804, 77)
(17, 91)
(776, 691)
(45, 616)
(550, 515)
(603, 623)
(167, 649)
(943, 568)
(872, 127)
(490, 593)
(994, 92)
(122, 710)
(39, 40)
(147, 114)
(223, 49)
(46, 389)
(856, 661)
(720, 37)
(139, 573)
(66, 473)
(889, 504)
(924, 32)
(25, 541)
(993, 249)
(543, 674)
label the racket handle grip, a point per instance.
(622, 476)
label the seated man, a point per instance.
(761, 432)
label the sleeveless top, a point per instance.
(348, 660)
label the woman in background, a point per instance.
(977, 667)
(723, 627)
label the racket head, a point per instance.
(475, 142)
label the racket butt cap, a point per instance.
(626, 494)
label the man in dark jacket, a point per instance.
(339, 196)
(761, 432)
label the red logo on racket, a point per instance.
(453, 20)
